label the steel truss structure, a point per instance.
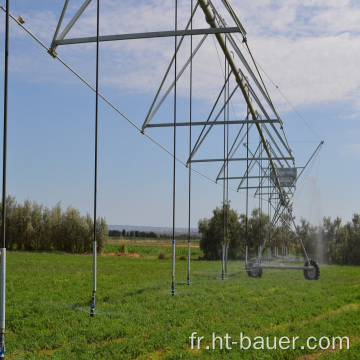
(259, 154)
(257, 157)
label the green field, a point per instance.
(48, 303)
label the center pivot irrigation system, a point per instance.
(256, 155)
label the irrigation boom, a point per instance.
(211, 20)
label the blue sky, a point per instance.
(308, 49)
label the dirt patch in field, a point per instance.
(323, 352)
(134, 255)
(315, 356)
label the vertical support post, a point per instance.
(223, 262)
(174, 165)
(225, 205)
(226, 118)
(189, 253)
(3, 283)
(92, 308)
(269, 254)
(190, 116)
(3, 237)
(173, 269)
(226, 258)
(246, 256)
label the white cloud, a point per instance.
(312, 70)
(310, 49)
(352, 150)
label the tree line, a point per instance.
(330, 242)
(150, 235)
(133, 234)
(30, 226)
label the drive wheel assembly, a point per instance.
(312, 274)
(254, 268)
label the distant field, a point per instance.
(155, 242)
(48, 303)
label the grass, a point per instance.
(48, 303)
(152, 251)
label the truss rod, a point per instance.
(242, 177)
(59, 23)
(230, 154)
(146, 35)
(112, 105)
(202, 137)
(69, 26)
(258, 102)
(252, 163)
(238, 159)
(232, 151)
(197, 123)
(210, 18)
(167, 71)
(316, 150)
(262, 181)
(248, 177)
(149, 117)
(247, 66)
(274, 153)
(197, 145)
(256, 187)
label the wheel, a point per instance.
(254, 271)
(312, 274)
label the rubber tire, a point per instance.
(312, 274)
(255, 273)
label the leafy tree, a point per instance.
(306, 233)
(257, 228)
(332, 247)
(283, 236)
(214, 233)
(31, 226)
(353, 248)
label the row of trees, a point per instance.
(133, 234)
(331, 242)
(150, 235)
(30, 226)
